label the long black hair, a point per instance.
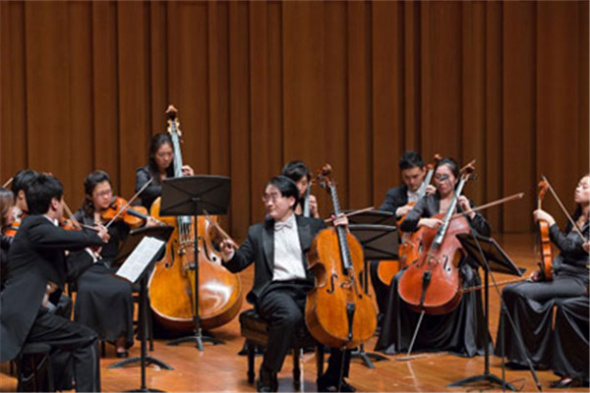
(159, 140)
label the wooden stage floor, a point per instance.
(220, 369)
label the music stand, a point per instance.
(192, 195)
(494, 259)
(379, 242)
(135, 237)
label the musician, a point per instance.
(462, 330)
(103, 302)
(37, 266)
(399, 200)
(6, 218)
(530, 304)
(298, 172)
(281, 279)
(160, 166)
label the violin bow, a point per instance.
(216, 226)
(574, 225)
(491, 204)
(353, 213)
(75, 222)
(8, 182)
(131, 200)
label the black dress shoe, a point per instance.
(565, 383)
(268, 381)
(325, 384)
(123, 354)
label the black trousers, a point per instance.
(530, 304)
(282, 305)
(64, 336)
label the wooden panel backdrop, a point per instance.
(85, 85)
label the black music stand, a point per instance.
(192, 195)
(135, 237)
(379, 241)
(494, 259)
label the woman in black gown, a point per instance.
(160, 166)
(462, 330)
(103, 302)
(531, 304)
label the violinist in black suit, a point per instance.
(282, 279)
(36, 268)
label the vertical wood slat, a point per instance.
(261, 83)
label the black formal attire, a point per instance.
(153, 191)
(103, 302)
(394, 198)
(36, 258)
(280, 303)
(461, 331)
(530, 304)
(570, 340)
(5, 242)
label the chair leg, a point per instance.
(251, 355)
(297, 352)
(319, 357)
(103, 349)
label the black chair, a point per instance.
(34, 372)
(255, 330)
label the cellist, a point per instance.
(299, 173)
(400, 201)
(281, 279)
(531, 303)
(462, 330)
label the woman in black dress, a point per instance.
(103, 302)
(462, 330)
(160, 166)
(531, 304)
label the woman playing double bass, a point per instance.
(531, 303)
(160, 166)
(462, 330)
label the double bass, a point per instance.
(172, 285)
(339, 312)
(432, 283)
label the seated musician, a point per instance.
(399, 201)
(462, 330)
(6, 219)
(281, 279)
(160, 166)
(19, 182)
(37, 267)
(103, 302)
(530, 304)
(298, 172)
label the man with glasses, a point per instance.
(282, 279)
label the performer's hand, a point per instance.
(430, 190)
(402, 211)
(542, 215)
(586, 246)
(227, 248)
(151, 222)
(536, 276)
(313, 207)
(187, 170)
(341, 220)
(103, 233)
(466, 206)
(433, 223)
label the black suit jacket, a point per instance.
(394, 198)
(259, 248)
(36, 257)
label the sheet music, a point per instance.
(143, 254)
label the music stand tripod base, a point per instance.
(367, 356)
(483, 377)
(198, 338)
(137, 359)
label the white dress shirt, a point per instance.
(288, 256)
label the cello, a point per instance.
(410, 246)
(172, 285)
(338, 312)
(432, 283)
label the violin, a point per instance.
(12, 229)
(339, 312)
(544, 241)
(119, 210)
(432, 283)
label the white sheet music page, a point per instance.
(143, 254)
